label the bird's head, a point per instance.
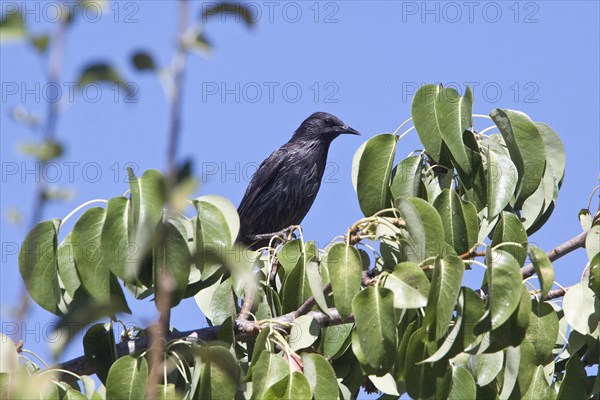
(322, 126)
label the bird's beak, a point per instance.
(347, 130)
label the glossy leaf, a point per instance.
(450, 207)
(93, 270)
(445, 288)
(38, 264)
(147, 199)
(375, 168)
(409, 284)
(127, 378)
(121, 258)
(502, 178)
(293, 387)
(542, 331)
(406, 181)
(543, 269)
(510, 229)
(539, 388)
(99, 348)
(463, 384)
(375, 327)
(504, 280)
(320, 376)
(268, 370)
(172, 259)
(487, 367)
(423, 112)
(448, 113)
(526, 148)
(425, 230)
(555, 151)
(571, 387)
(220, 373)
(345, 272)
(581, 307)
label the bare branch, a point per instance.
(557, 252)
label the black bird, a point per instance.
(285, 185)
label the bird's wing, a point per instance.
(263, 179)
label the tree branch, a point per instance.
(557, 252)
(249, 330)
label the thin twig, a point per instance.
(179, 64)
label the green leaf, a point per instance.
(463, 384)
(502, 178)
(450, 207)
(99, 348)
(407, 175)
(539, 388)
(114, 240)
(448, 114)
(268, 370)
(304, 332)
(375, 168)
(103, 73)
(425, 230)
(67, 270)
(543, 268)
(335, 340)
(423, 112)
(239, 10)
(445, 288)
(538, 207)
(555, 151)
(409, 284)
(356, 164)
(262, 343)
(526, 148)
(376, 328)
(220, 373)
(542, 331)
(293, 387)
(217, 226)
(127, 378)
(592, 242)
(223, 303)
(585, 219)
(513, 331)
(12, 26)
(510, 229)
(424, 380)
(512, 355)
(171, 261)
(72, 394)
(487, 367)
(571, 387)
(345, 273)
(582, 308)
(504, 280)
(147, 200)
(40, 42)
(143, 61)
(320, 376)
(315, 282)
(38, 265)
(594, 279)
(92, 268)
(296, 289)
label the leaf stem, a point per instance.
(87, 203)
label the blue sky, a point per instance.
(360, 60)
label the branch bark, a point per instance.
(557, 252)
